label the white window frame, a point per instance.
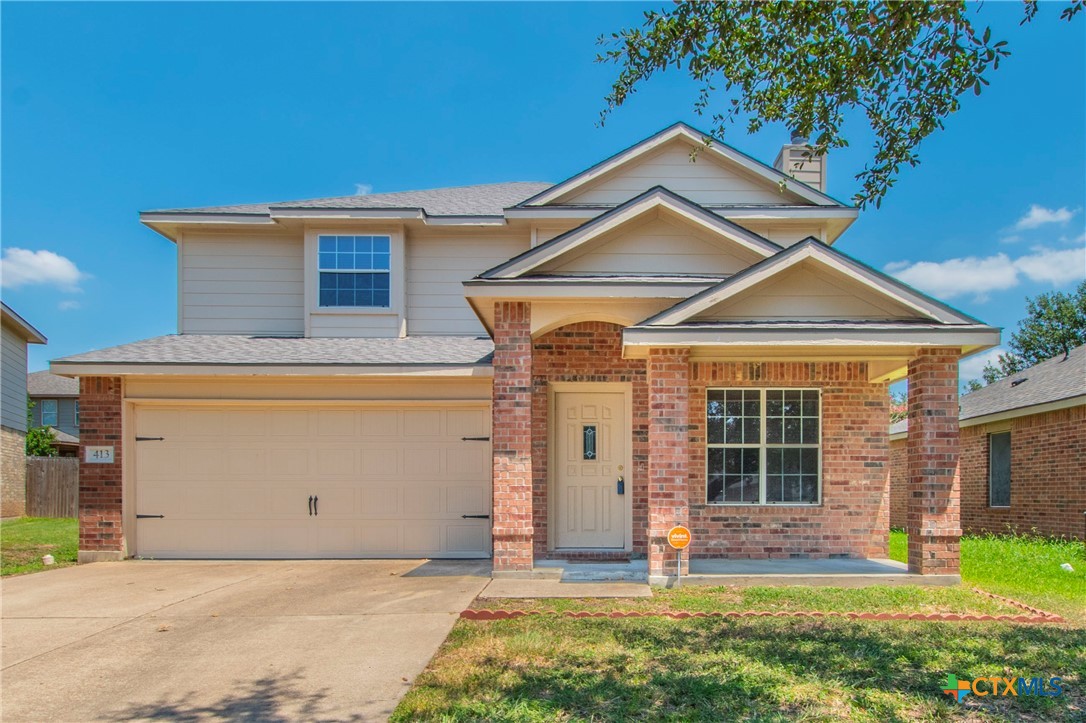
(762, 446)
(55, 412)
(387, 271)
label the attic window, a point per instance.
(354, 271)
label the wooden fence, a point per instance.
(52, 486)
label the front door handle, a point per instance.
(621, 486)
(310, 505)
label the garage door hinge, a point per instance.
(150, 439)
(475, 517)
(475, 439)
(144, 517)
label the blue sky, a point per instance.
(109, 109)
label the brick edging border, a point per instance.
(1035, 616)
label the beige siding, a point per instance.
(437, 266)
(706, 180)
(241, 284)
(12, 380)
(782, 233)
(807, 293)
(325, 324)
(661, 244)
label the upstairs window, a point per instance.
(76, 414)
(354, 271)
(764, 446)
(48, 412)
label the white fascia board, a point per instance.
(243, 219)
(789, 258)
(352, 213)
(888, 336)
(682, 130)
(656, 199)
(77, 369)
(569, 290)
(465, 221)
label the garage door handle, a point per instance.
(475, 517)
(315, 511)
(310, 505)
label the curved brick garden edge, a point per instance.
(1035, 615)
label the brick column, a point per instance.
(511, 434)
(101, 495)
(932, 449)
(669, 456)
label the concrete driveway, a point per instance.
(265, 640)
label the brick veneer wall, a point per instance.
(853, 518)
(511, 431)
(1048, 476)
(101, 525)
(12, 472)
(933, 505)
(587, 352)
(899, 483)
(669, 453)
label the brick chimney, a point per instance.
(793, 161)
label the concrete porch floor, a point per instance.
(824, 573)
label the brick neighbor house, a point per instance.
(56, 405)
(17, 333)
(1023, 453)
(520, 371)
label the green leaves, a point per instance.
(807, 64)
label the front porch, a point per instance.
(835, 534)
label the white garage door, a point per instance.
(290, 482)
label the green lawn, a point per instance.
(24, 541)
(547, 668)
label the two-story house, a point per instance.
(15, 333)
(55, 401)
(529, 370)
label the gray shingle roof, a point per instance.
(484, 200)
(206, 349)
(47, 384)
(64, 437)
(1050, 381)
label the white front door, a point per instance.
(589, 437)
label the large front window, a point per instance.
(764, 446)
(354, 271)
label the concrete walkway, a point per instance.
(269, 641)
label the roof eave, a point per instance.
(27, 330)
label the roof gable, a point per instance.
(719, 175)
(736, 246)
(809, 282)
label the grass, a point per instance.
(1024, 568)
(770, 669)
(24, 541)
(905, 599)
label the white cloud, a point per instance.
(1039, 216)
(980, 276)
(972, 367)
(21, 267)
(363, 189)
(69, 305)
(955, 277)
(1054, 267)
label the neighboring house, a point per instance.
(1023, 453)
(56, 405)
(17, 333)
(527, 370)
